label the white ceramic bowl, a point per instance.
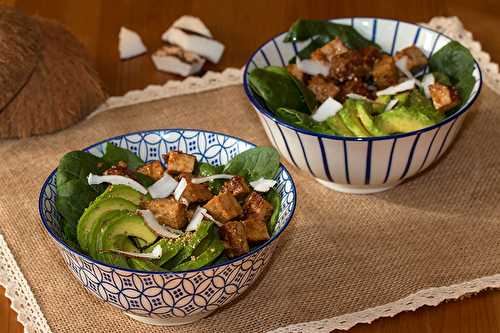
(360, 165)
(161, 298)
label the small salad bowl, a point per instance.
(168, 298)
(368, 164)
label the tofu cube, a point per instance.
(224, 207)
(416, 59)
(322, 88)
(385, 73)
(371, 55)
(196, 192)
(443, 97)
(178, 162)
(346, 66)
(120, 169)
(152, 169)
(333, 48)
(237, 186)
(256, 230)
(235, 239)
(257, 208)
(168, 212)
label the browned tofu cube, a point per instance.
(371, 55)
(152, 169)
(235, 239)
(322, 88)
(224, 207)
(443, 97)
(354, 86)
(237, 186)
(168, 212)
(120, 169)
(256, 230)
(416, 59)
(296, 72)
(257, 208)
(385, 73)
(178, 162)
(196, 192)
(346, 66)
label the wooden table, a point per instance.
(242, 26)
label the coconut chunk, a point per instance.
(313, 67)
(428, 80)
(206, 47)
(192, 23)
(173, 59)
(391, 105)
(263, 185)
(329, 108)
(403, 86)
(130, 44)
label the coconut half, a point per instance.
(173, 59)
(205, 47)
(193, 24)
(130, 44)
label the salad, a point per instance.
(187, 215)
(343, 84)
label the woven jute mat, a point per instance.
(341, 253)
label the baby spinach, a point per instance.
(255, 163)
(205, 170)
(274, 198)
(304, 121)
(115, 154)
(279, 89)
(456, 62)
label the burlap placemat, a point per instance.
(341, 253)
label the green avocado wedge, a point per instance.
(124, 192)
(169, 247)
(349, 116)
(363, 110)
(336, 123)
(97, 226)
(401, 120)
(92, 214)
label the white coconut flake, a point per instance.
(427, 80)
(201, 180)
(116, 180)
(358, 97)
(196, 219)
(192, 23)
(392, 90)
(171, 64)
(154, 254)
(313, 67)
(211, 218)
(130, 44)
(263, 185)
(329, 108)
(206, 47)
(392, 103)
(180, 189)
(402, 65)
(163, 187)
(156, 227)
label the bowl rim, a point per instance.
(253, 251)
(263, 109)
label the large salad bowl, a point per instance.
(167, 298)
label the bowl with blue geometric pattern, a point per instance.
(170, 298)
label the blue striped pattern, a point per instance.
(364, 164)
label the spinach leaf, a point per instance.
(273, 197)
(205, 170)
(278, 89)
(455, 61)
(442, 78)
(143, 179)
(307, 95)
(116, 154)
(77, 165)
(255, 163)
(304, 121)
(304, 29)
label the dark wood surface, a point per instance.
(242, 26)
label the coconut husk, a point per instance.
(63, 89)
(20, 51)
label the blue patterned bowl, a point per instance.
(360, 165)
(170, 298)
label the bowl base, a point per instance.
(169, 321)
(355, 189)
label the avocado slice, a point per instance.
(338, 126)
(169, 247)
(127, 225)
(96, 229)
(100, 206)
(367, 120)
(349, 116)
(401, 120)
(402, 97)
(380, 103)
(124, 192)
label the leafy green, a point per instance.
(304, 121)
(115, 154)
(456, 62)
(213, 250)
(279, 89)
(417, 102)
(442, 78)
(274, 198)
(304, 29)
(255, 163)
(78, 165)
(306, 94)
(205, 170)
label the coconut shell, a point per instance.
(20, 51)
(63, 89)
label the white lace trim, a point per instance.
(31, 316)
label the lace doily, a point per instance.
(30, 315)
